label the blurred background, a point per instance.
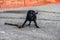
(7, 4)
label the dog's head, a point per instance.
(32, 13)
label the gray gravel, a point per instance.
(49, 29)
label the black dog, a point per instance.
(31, 16)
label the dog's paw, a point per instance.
(37, 27)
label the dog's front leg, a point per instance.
(36, 24)
(24, 23)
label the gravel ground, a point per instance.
(49, 29)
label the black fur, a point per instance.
(31, 16)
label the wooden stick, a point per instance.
(13, 25)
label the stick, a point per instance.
(13, 25)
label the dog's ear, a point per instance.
(36, 12)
